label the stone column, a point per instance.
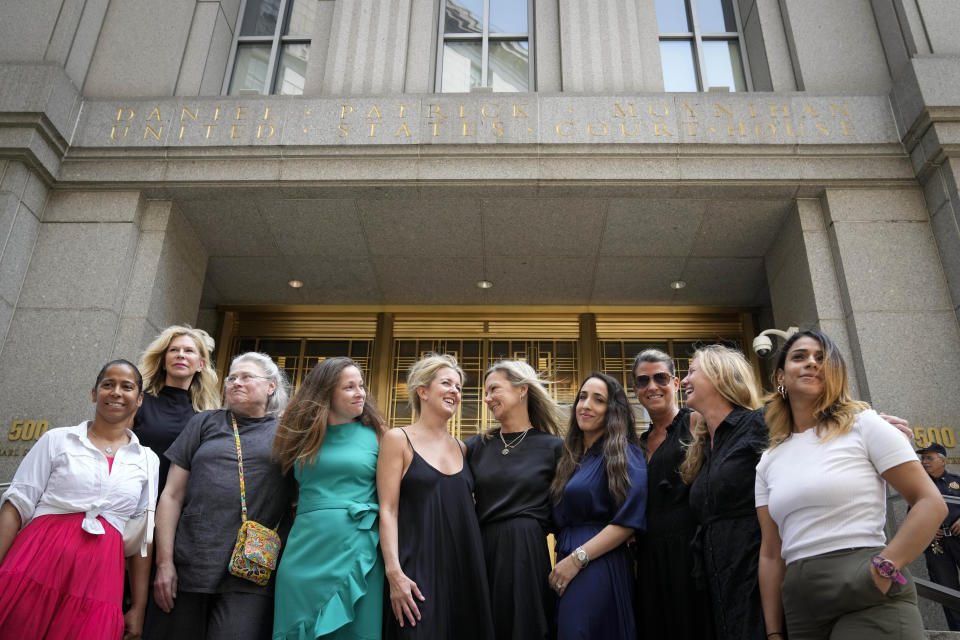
(108, 271)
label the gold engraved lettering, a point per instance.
(834, 109)
(403, 127)
(773, 111)
(216, 114)
(483, 111)
(753, 114)
(603, 129)
(209, 129)
(375, 110)
(183, 128)
(823, 131)
(791, 133)
(155, 134)
(690, 127)
(498, 129)
(436, 125)
(849, 133)
(344, 132)
(769, 132)
(266, 113)
(461, 111)
(113, 133)
(561, 133)
(518, 111)
(636, 130)
(260, 130)
(235, 131)
(469, 129)
(186, 112)
(717, 108)
(129, 117)
(155, 112)
(241, 113)
(660, 126)
(690, 110)
(743, 130)
(344, 110)
(403, 108)
(435, 111)
(808, 110)
(666, 110)
(373, 129)
(618, 111)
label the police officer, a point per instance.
(943, 554)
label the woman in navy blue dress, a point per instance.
(601, 493)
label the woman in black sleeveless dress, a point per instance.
(428, 527)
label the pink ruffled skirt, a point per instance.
(60, 582)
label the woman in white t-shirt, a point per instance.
(825, 565)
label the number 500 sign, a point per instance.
(27, 429)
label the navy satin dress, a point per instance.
(598, 602)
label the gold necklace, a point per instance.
(516, 441)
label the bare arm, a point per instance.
(927, 511)
(771, 572)
(391, 465)
(168, 515)
(139, 569)
(609, 538)
(9, 527)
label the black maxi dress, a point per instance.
(439, 548)
(728, 538)
(669, 603)
(513, 506)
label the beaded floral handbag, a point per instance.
(257, 548)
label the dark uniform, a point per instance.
(943, 555)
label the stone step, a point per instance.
(942, 635)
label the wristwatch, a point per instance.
(582, 558)
(887, 569)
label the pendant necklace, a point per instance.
(516, 441)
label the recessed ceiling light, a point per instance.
(484, 284)
(678, 284)
(296, 284)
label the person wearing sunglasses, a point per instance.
(669, 604)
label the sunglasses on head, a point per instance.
(662, 379)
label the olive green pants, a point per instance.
(833, 597)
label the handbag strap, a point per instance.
(243, 495)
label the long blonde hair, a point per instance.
(733, 378)
(204, 392)
(422, 372)
(835, 410)
(542, 409)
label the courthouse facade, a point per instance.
(561, 180)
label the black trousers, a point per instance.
(212, 616)
(943, 570)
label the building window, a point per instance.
(272, 45)
(700, 45)
(485, 43)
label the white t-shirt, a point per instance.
(826, 496)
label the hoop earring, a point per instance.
(782, 391)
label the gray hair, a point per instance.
(654, 356)
(277, 401)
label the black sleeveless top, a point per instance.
(439, 546)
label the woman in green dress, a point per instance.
(330, 578)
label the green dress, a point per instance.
(330, 578)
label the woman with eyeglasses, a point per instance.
(669, 602)
(199, 512)
(821, 501)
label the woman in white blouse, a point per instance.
(825, 564)
(62, 523)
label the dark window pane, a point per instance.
(722, 65)
(509, 68)
(672, 16)
(508, 16)
(326, 348)
(260, 18)
(499, 349)
(716, 16)
(407, 348)
(461, 66)
(471, 348)
(247, 344)
(359, 349)
(250, 69)
(280, 347)
(464, 16)
(676, 57)
(303, 13)
(292, 70)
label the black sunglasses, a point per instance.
(662, 379)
